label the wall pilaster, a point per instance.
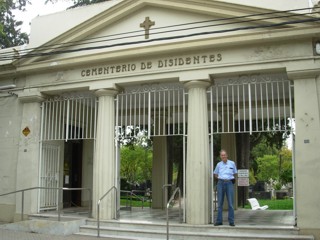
(307, 160)
(28, 154)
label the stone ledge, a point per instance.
(46, 226)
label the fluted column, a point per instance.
(198, 162)
(104, 165)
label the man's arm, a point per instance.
(235, 172)
(216, 171)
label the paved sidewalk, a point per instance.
(18, 235)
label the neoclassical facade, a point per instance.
(192, 68)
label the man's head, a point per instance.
(223, 155)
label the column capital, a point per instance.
(106, 92)
(197, 84)
(31, 96)
(303, 74)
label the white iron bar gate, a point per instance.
(259, 103)
(49, 176)
(263, 105)
(63, 118)
(69, 118)
(152, 113)
(250, 107)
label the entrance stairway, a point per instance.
(143, 230)
(150, 224)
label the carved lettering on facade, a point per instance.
(165, 63)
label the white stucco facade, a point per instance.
(101, 50)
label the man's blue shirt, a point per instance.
(226, 170)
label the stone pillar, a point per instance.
(307, 151)
(29, 150)
(104, 164)
(159, 172)
(198, 162)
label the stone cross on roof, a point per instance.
(147, 24)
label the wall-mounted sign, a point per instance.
(153, 65)
(26, 131)
(243, 173)
(243, 177)
(243, 182)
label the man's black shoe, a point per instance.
(232, 224)
(217, 224)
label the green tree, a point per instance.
(136, 163)
(10, 28)
(10, 32)
(277, 167)
(263, 148)
(79, 3)
(285, 165)
(2, 9)
(252, 179)
(268, 167)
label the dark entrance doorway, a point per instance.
(72, 172)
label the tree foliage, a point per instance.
(277, 167)
(135, 155)
(79, 3)
(252, 179)
(136, 164)
(268, 168)
(10, 28)
(2, 9)
(10, 32)
(285, 165)
(264, 147)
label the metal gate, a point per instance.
(256, 103)
(69, 118)
(243, 104)
(249, 104)
(152, 110)
(49, 176)
(66, 117)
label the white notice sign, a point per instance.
(243, 173)
(243, 182)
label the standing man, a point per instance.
(225, 172)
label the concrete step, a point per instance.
(136, 230)
(192, 228)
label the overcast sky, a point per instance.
(38, 8)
